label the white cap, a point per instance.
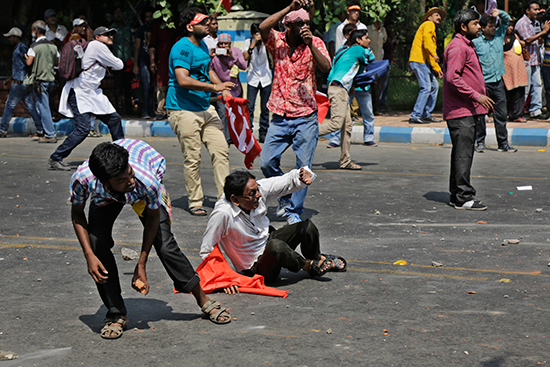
(78, 21)
(14, 32)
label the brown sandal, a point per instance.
(352, 166)
(111, 327)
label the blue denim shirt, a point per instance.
(19, 67)
(490, 52)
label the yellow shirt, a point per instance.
(424, 46)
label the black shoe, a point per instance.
(471, 205)
(507, 148)
(262, 139)
(414, 120)
(430, 119)
(542, 116)
(480, 148)
(57, 166)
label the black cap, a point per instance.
(103, 30)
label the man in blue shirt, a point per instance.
(19, 91)
(489, 48)
(193, 119)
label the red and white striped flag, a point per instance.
(238, 117)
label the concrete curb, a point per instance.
(383, 134)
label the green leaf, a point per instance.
(165, 11)
(162, 3)
(157, 14)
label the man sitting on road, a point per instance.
(129, 172)
(240, 226)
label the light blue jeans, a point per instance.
(534, 78)
(43, 105)
(364, 99)
(300, 132)
(427, 96)
(20, 92)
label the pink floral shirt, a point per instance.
(294, 85)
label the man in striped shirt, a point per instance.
(129, 172)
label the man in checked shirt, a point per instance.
(129, 172)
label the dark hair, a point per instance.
(359, 33)
(236, 182)
(348, 28)
(147, 9)
(464, 16)
(486, 19)
(352, 2)
(186, 17)
(529, 3)
(255, 28)
(108, 160)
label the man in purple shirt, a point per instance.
(464, 102)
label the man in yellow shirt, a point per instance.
(424, 64)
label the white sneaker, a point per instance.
(283, 204)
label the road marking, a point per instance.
(412, 273)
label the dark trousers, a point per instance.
(515, 99)
(497, 92)
(280, 250)
(122, 80)
(252, 93)
(100, 227)
(463, 132)
(82, 128)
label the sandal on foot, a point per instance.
(118, 329)
(352, 166)
(198, 211)
(316, 270)
(215, 305)
(334, 260)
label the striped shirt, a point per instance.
(149, 168)
(242, 236)
(525, 29)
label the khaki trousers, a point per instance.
(161, 98)
(340, 119)
(192, 128)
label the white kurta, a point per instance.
(89, 95)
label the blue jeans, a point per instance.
(300, 132)
(82, 128)
(384, 90)
(534, 78)
(20, 92)
(43, 105)
(427, 96)
(252, 93)
(365, 105)
(147, 107)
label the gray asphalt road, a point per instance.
(488, 305)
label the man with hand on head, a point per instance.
(296, 55)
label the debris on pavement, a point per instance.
(436, 264)
(510, 242)
(504, 280)
(472, 292)
(524, 188)
(329, 331)
(128, 254)
(538, 210)
(7, 356)
(400, 262)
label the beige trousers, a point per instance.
(340, 119)
(192, 128)
(161, 98)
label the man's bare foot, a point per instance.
(305, 176)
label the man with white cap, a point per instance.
(80, 30)
(83, 98)
(19, 91)
(55, 33)
(296, 55)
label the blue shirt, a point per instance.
(149, 168)
(491, 53)
(185, 54)
(347, 64)
(19, 66)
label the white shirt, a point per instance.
(60, 33)
(258, 67)
(377, 40)
(242, 236)
(211, 42)
(89, 95)
(340, 39)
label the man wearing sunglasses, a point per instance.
(239, 224)
(82, 97)
(193, 119)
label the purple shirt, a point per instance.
(525, 29)
(463, 81)
(223, 71)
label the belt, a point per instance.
(336, 84)
(17, 82)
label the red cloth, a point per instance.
(216, 274)
(227, 4)
(238, 117)
(323, 104)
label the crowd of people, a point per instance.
(483, 70)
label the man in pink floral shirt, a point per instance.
(296, 54)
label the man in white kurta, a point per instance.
(83, 98)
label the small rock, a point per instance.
(538, 210)
(511, 241)
(377, 212)
(287, 306)
(252, 313)
(506, 296)
(7, 356)
(436, 264)
(329, 331)
(39, 279)
(466, 352)
(128, 254)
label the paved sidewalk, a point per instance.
(392, 127)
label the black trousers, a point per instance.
(463, 133)
(280, 250)
(497, 92)
(100, 227)
(515, 101)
